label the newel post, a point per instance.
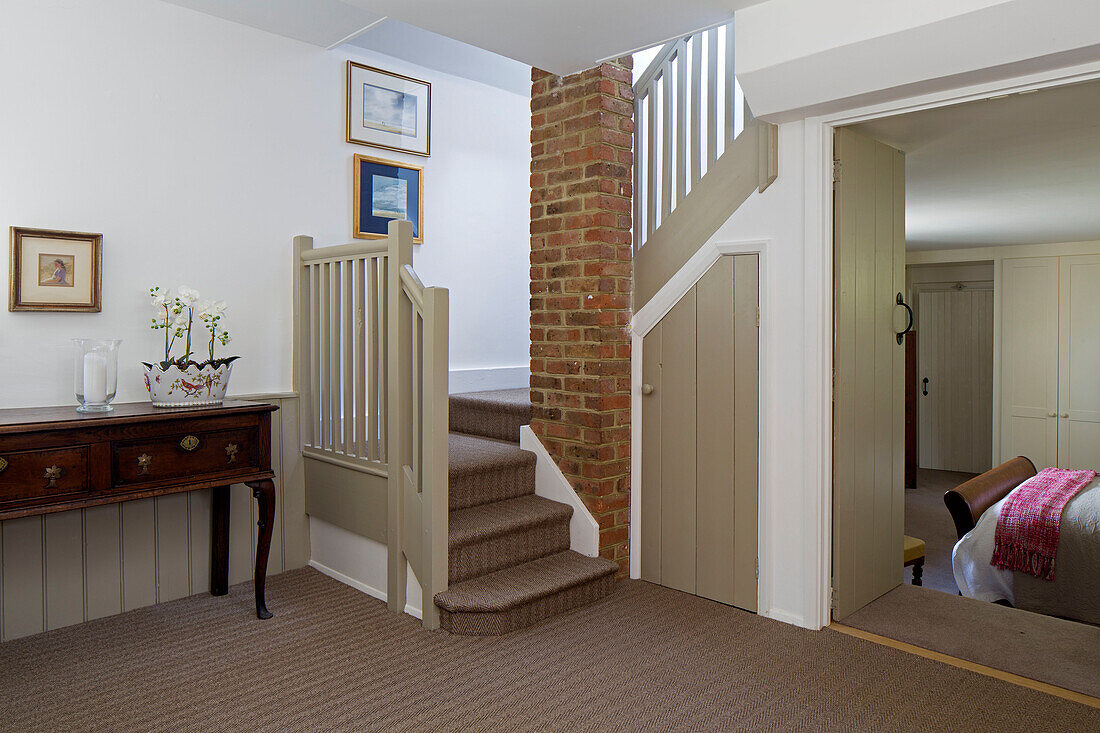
(398, 415)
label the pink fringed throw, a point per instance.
(1027, 529)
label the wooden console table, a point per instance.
(54, 459)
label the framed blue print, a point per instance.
(386, 190)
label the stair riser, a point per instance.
(493, 624)
(489, 486)
(489, 424)
(514, 548)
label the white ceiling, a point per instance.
(431, 50)
(560, 36)
(1022, 169)
(320, 22)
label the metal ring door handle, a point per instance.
(647, 389)
(909, 326)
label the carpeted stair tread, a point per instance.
(515, 586)
(486, 521)
(490, 537)
(483, 470)
(493, 414)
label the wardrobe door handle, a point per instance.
(1065, 415)
(1052, 414)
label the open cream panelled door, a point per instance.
(868, 363)
(700, 437)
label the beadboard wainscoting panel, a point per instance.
(65, 568)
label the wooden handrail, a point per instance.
(370, 364)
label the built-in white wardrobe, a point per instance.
(1049, 359)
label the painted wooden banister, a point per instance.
(688, 107)
(698, 153)
(370, 365)
(418, 327)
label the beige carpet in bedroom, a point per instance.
(1044, 648)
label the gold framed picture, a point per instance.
(55, 270)
(387, 110)
(387, 190)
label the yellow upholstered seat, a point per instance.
(914, 550)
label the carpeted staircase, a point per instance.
(510, 565)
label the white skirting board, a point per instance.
(358, 562)
(550, 483)
(481, 380)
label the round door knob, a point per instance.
(1052, 414)
(647, 389)
(1065, 414)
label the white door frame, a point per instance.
(818, 182)
(644, 321)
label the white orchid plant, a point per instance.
(176, 315)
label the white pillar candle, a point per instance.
(95, 378)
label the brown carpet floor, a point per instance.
(644, 658)
(927, 518)
(1044, 648)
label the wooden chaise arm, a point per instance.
(968, 501)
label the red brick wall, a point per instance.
(582, 132)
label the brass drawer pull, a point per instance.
(231, 453)
(53, 473)
(189, 442)
(3, 464)
(144, 461)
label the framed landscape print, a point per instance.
(386, 190)
(390, 111)
(55, 270)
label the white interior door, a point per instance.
(868, 393)
(955, 379)
(1029, 360)
(1079, 363)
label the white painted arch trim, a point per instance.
(641, 324)
(818, 170)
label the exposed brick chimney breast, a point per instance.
(582, 137)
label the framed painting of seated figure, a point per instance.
(55, 270)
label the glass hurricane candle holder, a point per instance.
(95, 373)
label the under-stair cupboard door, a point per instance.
(1029, 360)
(700, 438)
(869, 375)
(1079, 363)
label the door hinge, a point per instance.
(758, 317)
(832, 598)
(836, 170)
(757, 568)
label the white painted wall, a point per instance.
(797, 58)
(776, 215)
(199, 147)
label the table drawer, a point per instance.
(42, 473)
(184, 455)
